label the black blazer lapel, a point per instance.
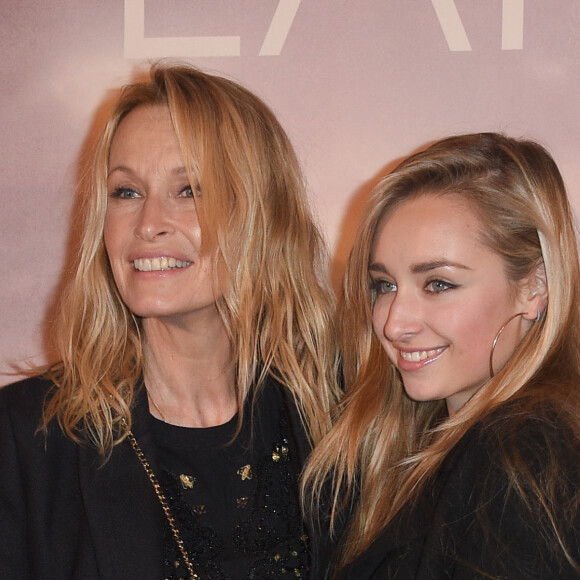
(124, 514)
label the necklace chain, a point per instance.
(163, 501)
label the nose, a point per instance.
(154, 218)
(402, 318)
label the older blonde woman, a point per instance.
(196, 360)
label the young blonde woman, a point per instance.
(457, 453)
(196, 361)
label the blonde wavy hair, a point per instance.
(385, 447)
(268, 252)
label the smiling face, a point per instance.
(441, 298)
(152, 234)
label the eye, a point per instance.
(124, 193)
(437, 286)
(379, 287)
(186, 192)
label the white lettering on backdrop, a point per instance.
(138, 46)
(512, 31)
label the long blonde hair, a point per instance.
(257, 226)
(385, 447)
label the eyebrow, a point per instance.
(377, 268)
(422, 266)
(177, 171)
(428, 266)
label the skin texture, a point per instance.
(441, 298)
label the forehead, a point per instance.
(149, 124)
(429, 225)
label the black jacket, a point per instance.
(64, 514)
(468, 524)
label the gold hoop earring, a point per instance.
(494, 343)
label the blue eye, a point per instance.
(437, 286)
(186, 192)
(383, 287)
(124, 193)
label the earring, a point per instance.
(539, 316)
(494, 343)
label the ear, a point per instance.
(534, 292)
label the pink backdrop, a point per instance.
(358, 85)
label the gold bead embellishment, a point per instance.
(199, 510)
(187, 481)
(280, 452)
(245, 472)
(242, 503)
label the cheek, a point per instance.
(107, 242)
(112, 234)
(192, 230)
(380, 315)
(186, 221)
(472, 331)
(196, 237)
(113, 243)
(108, 230)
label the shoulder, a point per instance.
(511, 486)
(516, 456)
(536, 436)
(21, 412)
(25, 399)
(518, 460)
(31, 386)
(29, 453)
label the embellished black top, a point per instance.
(235, 500)
(66, 512)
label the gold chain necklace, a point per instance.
(163, 501)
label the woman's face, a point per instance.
(152, 233)
(441, 298)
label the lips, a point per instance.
(159, 264)
(415, 360)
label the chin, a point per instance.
(152, 310)
(420, 395)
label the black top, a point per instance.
(235, 500)
(469, 523)
(65, 513)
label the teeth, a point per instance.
(156, 264)
(420, 355)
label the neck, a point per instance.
(189, 376)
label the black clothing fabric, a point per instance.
(471, 524)
(235, 500)
(66, 514)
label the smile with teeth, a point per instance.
(156, 264)
(420, 355)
